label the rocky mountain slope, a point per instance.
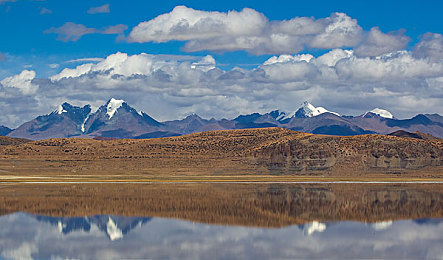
(117, 119)
(5, 130)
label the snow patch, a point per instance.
(382, 113)
(281, 116)
(113, 105)
(84, 123)
(113, 231)
(60, 110)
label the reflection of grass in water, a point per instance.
(215, 179)
(267, 205)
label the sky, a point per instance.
(221, 58)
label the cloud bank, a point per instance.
(169, 88)
(249, 30)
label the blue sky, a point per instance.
(23, 24)
(39, 38)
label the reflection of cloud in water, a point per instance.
(381, 225)
(23, 236)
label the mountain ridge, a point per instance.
(117, 119)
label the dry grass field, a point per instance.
(249, 155)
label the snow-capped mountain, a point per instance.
(304, 111)
(380, 112)
(65, 121)
(117, 119)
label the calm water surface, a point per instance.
(321, 234)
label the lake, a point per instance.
(221, 221)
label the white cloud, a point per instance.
(168, 87)
(378, 43)
(430, 46)
(247, 30)
(186, 24)
(99, 9)
(340, 31)
(22, 81)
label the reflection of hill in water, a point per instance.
(115, 227)
(271, 205)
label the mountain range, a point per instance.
(117, 119)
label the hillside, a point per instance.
(268, 150)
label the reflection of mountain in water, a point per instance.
(26, 236)
(115, 227)
(428, 221)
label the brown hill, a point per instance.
(268, 150)
(4, 140)
(417, 135)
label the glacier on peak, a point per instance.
(382, 113)
(307, 110)
(113, 105)
(60, 110)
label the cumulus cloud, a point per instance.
(99, 9)
(73, 32)
(169, 87)
(22, 81)
(430, 46)
(378, 43)
(247, 30)
(251, 31)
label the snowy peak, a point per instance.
(70, 109)
(76, 114)
(382, 113)
(113, 105)
(60, 110)
(306, 110)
